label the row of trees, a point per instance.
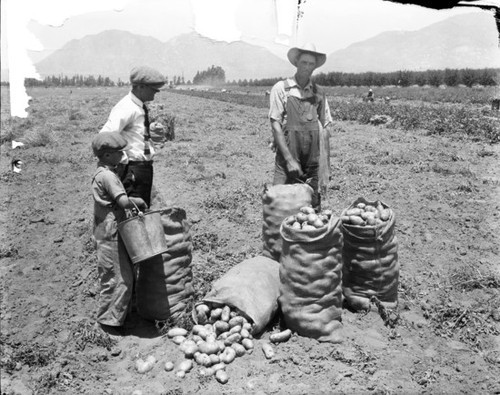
(85, 81)
(216, 76)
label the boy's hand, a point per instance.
(139, 202)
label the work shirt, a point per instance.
(106, 189)
(279, 95)
(127, 117)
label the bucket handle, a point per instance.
(131, 213)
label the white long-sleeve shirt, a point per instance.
(127, 118)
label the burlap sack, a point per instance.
(252, 287)
(164, 285)
(311, 281)
(279, 202)
(371, 266)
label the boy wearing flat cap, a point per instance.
(116, 272)
(130, 118)
(299, 113)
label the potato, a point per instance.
(235, 329)
(188, 347)
(361, 205)
(247, 326)
(144, 366)
(221, 326)
(280, 337)
(240, 349)
(245, 334)
(197, 329)
(308, 227)
(215, 314)
(290, 220)
(236, 320)
(214, 359)
(345, 218)
(268, 350)
(307, 210)
(311, 218)
(371, 221)
(385, 214)
(228, 355)
(180, 373)
(202, 313)
(223, 336)
(327, 212)
(355, 220)
(221, 376)
(218, 366)
(234, 338)
(203, 359)
(226, 310)
(206, 372)
(169, 366)
(367, 214)
(176, 332)
(296, 225)
(185, 365)
(178, 339)
(301, 217)
(353, 211)
(247, 343)
(370, 208)
(208, 347)
(318, 223)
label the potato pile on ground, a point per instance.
(366, 214)
(307, 219)
(220, 336)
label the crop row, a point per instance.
(439, 119)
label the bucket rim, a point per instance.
(138, 217)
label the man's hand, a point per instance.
(293, 169)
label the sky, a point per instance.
(32, 29)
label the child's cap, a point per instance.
(108, 142)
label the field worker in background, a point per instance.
(299, 112)
(116, 272)
(369, 95)
(130, 118)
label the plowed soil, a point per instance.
(444, 190)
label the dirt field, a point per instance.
(444, 190)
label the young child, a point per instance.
(116, 271)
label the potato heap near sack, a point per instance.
(221, 335)
(365, 214)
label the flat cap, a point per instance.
(108, 142)
(146, 75)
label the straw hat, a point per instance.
(295, 52)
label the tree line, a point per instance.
(84, 81)
(216, 76)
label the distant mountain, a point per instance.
(113, 53)
(462, 41)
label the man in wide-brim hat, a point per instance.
(299, 113)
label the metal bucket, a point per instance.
(143, 236)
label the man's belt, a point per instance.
(145, 163)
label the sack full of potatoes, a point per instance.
(164, 287)
(279, 202)
(311, 275)
(370, 255)
(250, 288)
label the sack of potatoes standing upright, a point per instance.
(311, 276)
(370, 255)
(279, 202)
(164, 287)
